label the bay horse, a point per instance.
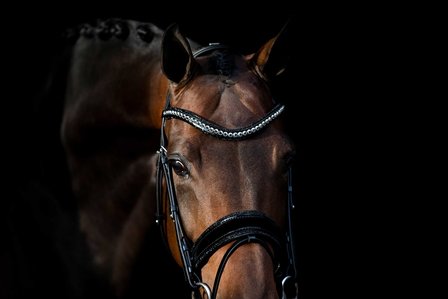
(159, 129)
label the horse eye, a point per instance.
(179, 168)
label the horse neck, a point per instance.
(110, 131)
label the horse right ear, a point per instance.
(273, 57)
(177, 58)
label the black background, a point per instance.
(341, 85)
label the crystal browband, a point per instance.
(215, 130)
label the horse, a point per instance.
(160, 131)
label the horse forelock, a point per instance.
(224, 63)
(221, 63)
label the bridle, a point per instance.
(238, 228)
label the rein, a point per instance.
(238, 228)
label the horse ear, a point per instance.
(272, 58)
(177, 58)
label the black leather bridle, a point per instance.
(238, 228)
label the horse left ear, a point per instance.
(177, 58)
(272, 58)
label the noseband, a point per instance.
(238, 228)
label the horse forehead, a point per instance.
(263, 150)
(238, 100)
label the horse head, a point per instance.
(154, 123)
(224, 174)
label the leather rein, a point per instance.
(238, 228)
